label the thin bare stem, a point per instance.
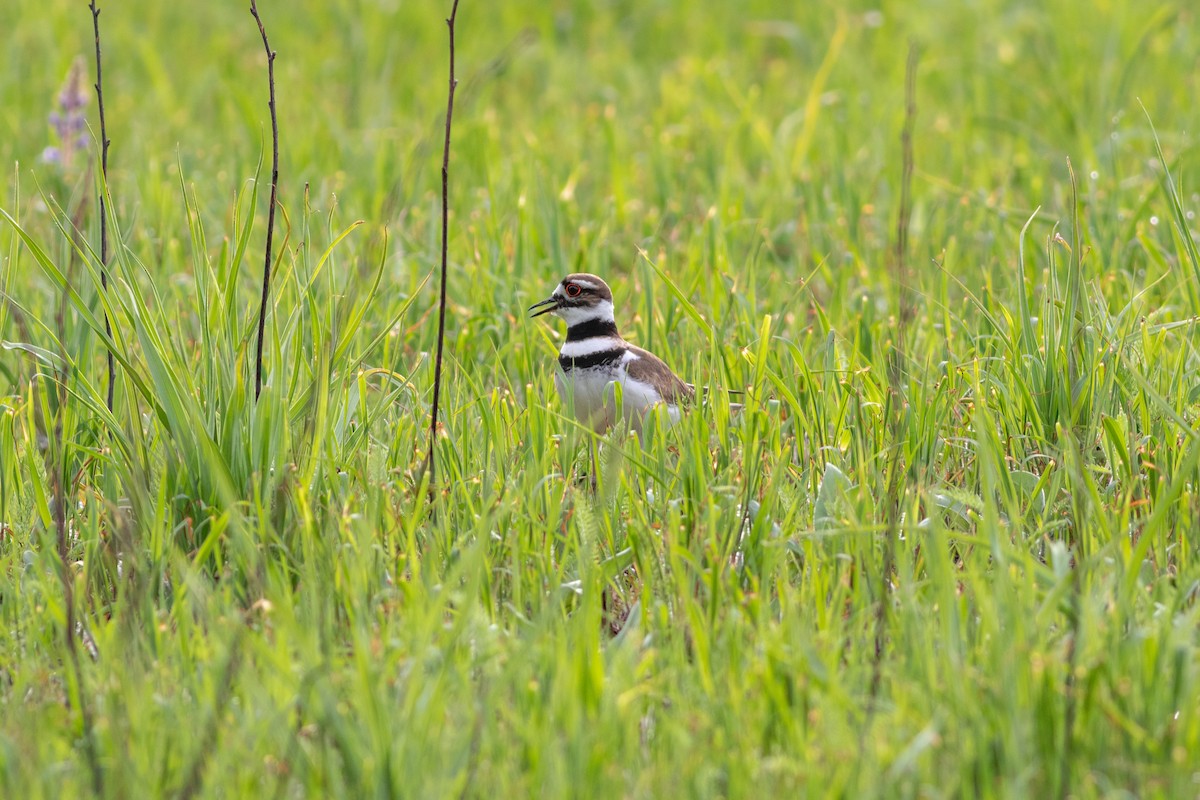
(68, 579)
(1080, 509)
(269, 257)
(906, 147)
(441, 336)
(55, 460)
(897, 469)
(104, 143)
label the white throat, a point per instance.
(602, 311)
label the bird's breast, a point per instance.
(589, 392)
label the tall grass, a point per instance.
(265, 605)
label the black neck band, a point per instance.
(590, 329)
(601, 359)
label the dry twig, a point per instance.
(441, 335)
(104, 143)
(268, 258)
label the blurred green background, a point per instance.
(740, 611)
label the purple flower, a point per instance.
(68, 122)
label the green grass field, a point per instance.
(948, 549)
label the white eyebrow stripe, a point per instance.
(585, 284)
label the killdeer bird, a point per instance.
(595, 358)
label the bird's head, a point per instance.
(580, 297)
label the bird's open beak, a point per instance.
(550, 303)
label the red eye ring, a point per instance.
(573, 290)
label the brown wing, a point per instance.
(649, 368)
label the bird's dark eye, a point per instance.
(573, 290)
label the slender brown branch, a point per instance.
(104, 143)
(55, 461)
(441, 336)
(68, 579)
(269, 257)
(906, 147)
(1080, 510)
(78, 219)
(897, 469)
